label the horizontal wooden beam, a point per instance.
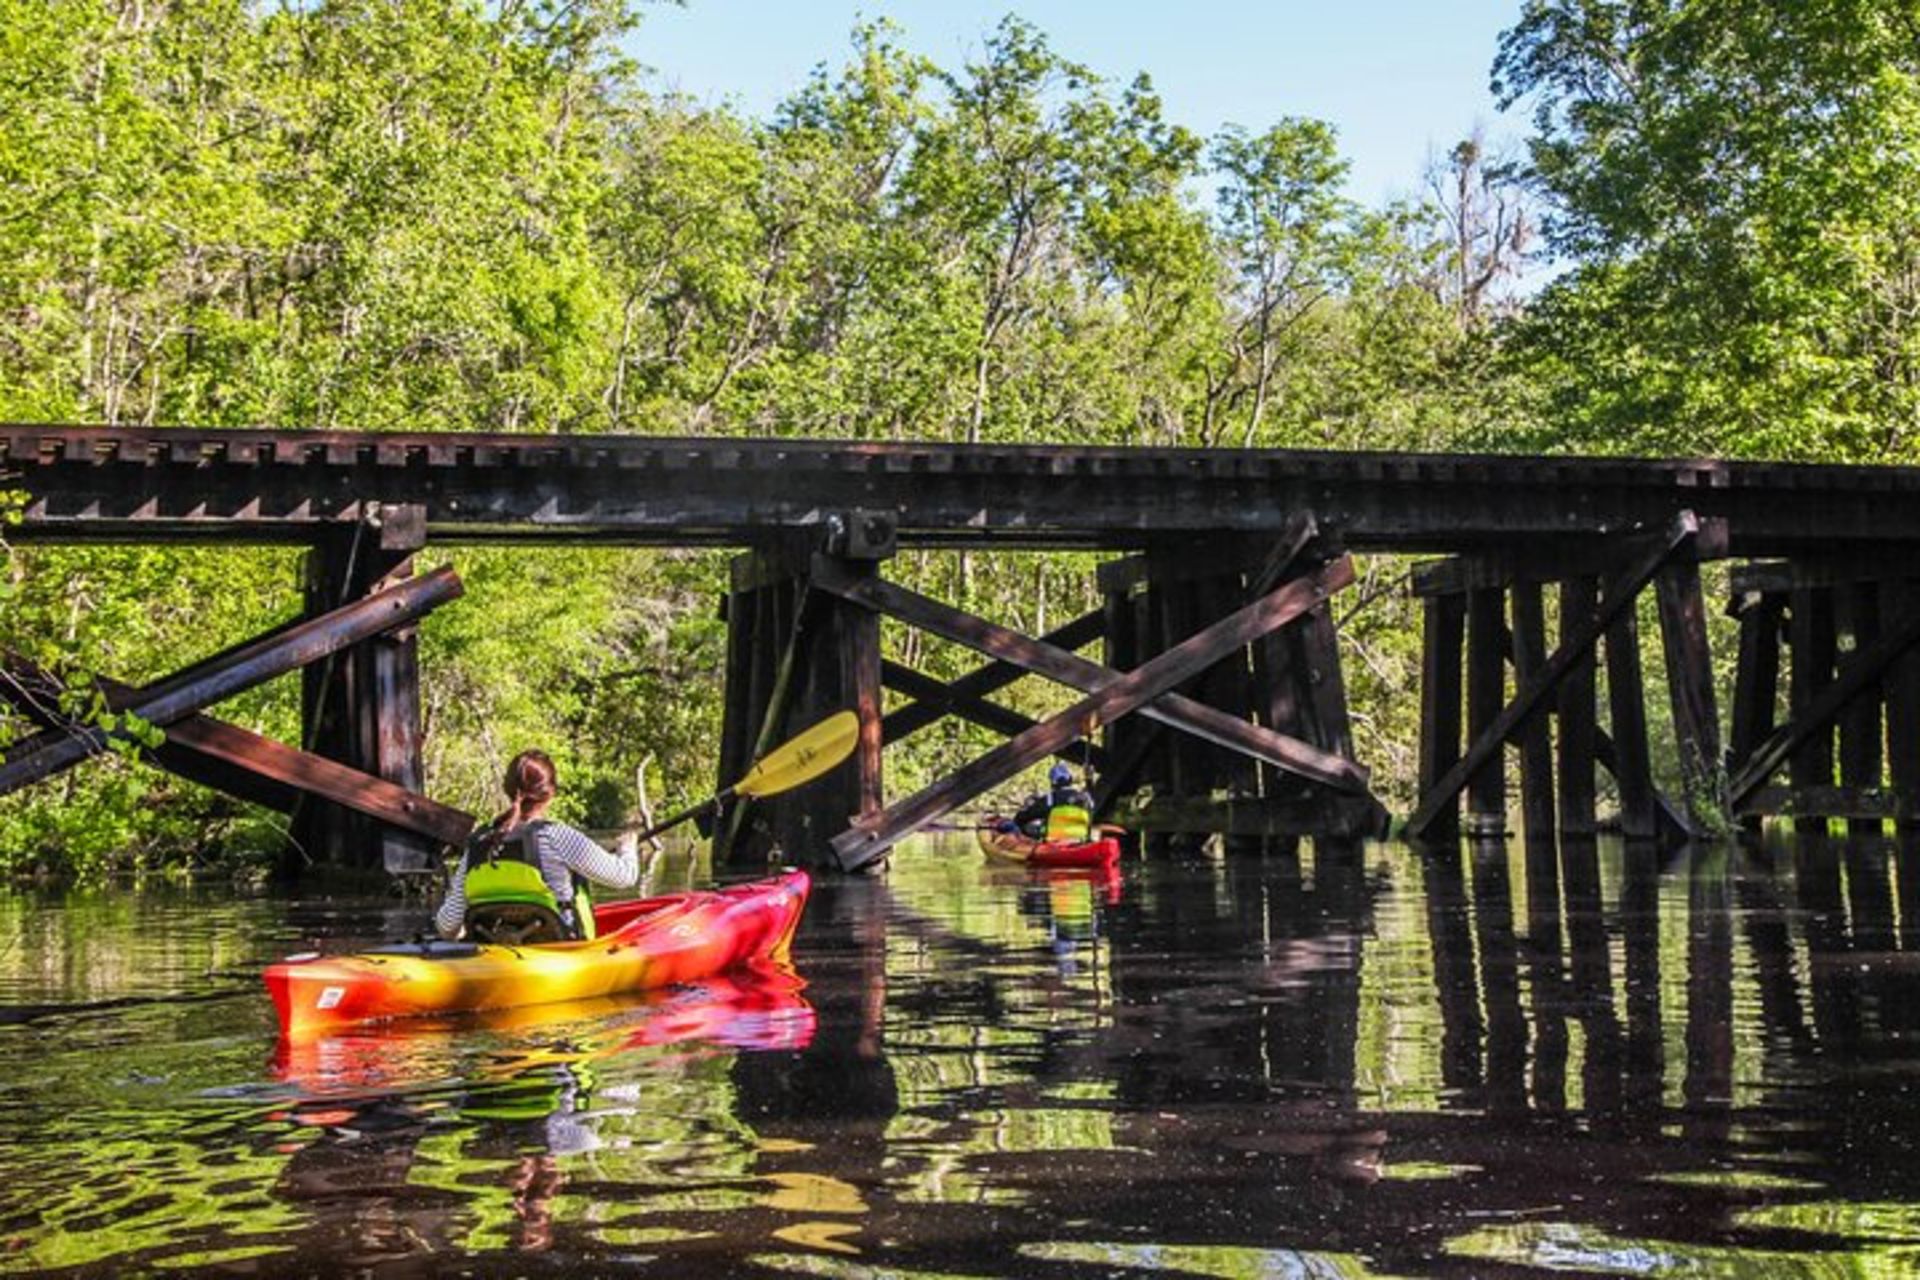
(1777, 577)
(1621, 592)
(986, 680)
(1857, 675)
(1174, 710)
(1546, 560)
(1317, 815)
(153, 484)
(283, 650)
(1827, 802)
(871, 836)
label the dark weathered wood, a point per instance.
(1080, 673)
(1578, 714)
(1120, 648)
(1621, 592)
(1318, 664)
(157, 484)
(287, 650)
(1862, 804)
(1859, 621)
(1779, 577)
(990, 715)
(982, 682)
(1632, 767)
(1536, 736)
(1227, 686)
(1504, 565)
(1442, 643)
(1859, 675)
(1486, 693)
(365, 793)
(1756, 677)
(1696, 716)
(1901, 601)
(1251, 816)
(873, 836)
(1810, 671)
(36, 693)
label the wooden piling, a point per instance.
(1579, 597)
(1442, 641)
(1486, 694)
(1536, 735)
(1627, 714)
(1696, 723)
(1810, 670)
(1858, 620)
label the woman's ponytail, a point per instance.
(530, 781)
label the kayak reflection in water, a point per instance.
(523, 877)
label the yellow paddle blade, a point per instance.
(803, 758)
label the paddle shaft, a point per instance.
(691, 811)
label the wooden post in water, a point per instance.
(361, 707)
(1579, 597)
(1859, 622)
(1696, 722)
(1536, 735)
(1486, 694)
(1627, 711)
(1810, 671)
(1442, 641)
(1756, 680)
(1903, 722)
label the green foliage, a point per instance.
(1735, 186)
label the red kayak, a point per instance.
(1011, 846)
(654, 942)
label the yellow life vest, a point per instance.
(507, 890)
(1068, 824)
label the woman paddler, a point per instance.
(523, 877)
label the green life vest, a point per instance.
(1068, 824)
(508, 899)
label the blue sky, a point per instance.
(1398, 78)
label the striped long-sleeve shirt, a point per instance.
(563, 852)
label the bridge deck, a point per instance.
(173, 484)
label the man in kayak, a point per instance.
(524, 877)
(1063, 816)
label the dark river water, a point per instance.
(1350, 1062)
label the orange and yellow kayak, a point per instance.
(652, 942)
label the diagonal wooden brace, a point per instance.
(991, 715)
(1856, 677)
(871, 836)
(251, 766)
(1070, 669)
(276, 653)
(1531, 695)
(938, 700)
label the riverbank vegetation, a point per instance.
(441, 215)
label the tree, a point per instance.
(1735, 186)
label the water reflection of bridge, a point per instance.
(1677, 1056)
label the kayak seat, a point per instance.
(515, 924)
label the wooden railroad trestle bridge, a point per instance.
(1217, 624)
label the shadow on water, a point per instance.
(1492, 1060)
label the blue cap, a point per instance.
(1060, 775)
